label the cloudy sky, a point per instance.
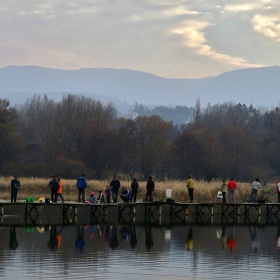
(168, 38)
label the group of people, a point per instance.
(126, 195)
(112, 191)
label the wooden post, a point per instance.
(159, 210)
(2, 211)
(40, 210)
(212, 210)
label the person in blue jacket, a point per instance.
(81, 186)
(115, 186)
(125, 195)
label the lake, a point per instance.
(150, 250)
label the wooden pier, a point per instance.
(146, 208)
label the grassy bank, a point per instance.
(204, 192)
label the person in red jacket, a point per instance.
(231, 190)
(278, 190)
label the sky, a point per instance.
(168, 38)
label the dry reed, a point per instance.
(204, 191)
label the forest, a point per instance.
(81, 135)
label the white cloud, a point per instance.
(241, 8)
(268, 26)
(195, 38)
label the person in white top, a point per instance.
(278, 190)
(254, 193)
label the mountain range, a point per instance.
(256, 86)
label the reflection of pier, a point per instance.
(152, 212)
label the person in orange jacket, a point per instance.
(59, 191)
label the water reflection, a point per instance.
(13, 244)
(113, 239)
(80, 242)
(189, 240)
(118, 251)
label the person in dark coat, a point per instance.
(115, 186)
(15, 184)
(150, 187)
(53, 184)
(134, 188)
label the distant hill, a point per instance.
(259, 86)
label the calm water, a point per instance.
(119, 251)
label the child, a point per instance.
(92, 198)
(108, 194)
(100, 198)
(59, 191)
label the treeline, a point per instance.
(176, 115)
(80, 135)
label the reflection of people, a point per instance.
(115, 186)
(59, 191)
(223, 238)
(125, 195)
(53, 238)
(190, 186)
(134, 189)
(254, 192)
(13, 238)
(53, 184)
(80, 241)
(113, 240)
(133, 239)
(254, 239)
(150, 187)
(189, 240)
(149, 238)
(125, 232)
(224, 190)
(278, 238)
(107, 233)
(231, 190)
(81, 186)
(231, 242)
(15, 184)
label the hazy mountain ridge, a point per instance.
(259, 86)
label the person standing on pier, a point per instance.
(254, 193)
(15, 184)
(278, 190)
(53, 184)
(190, 186)
(115, 186)
(150, 187)
(134, 188)
(224, 190)
(59, 191)
(81, 186)
(108, 194)
(231, 190)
